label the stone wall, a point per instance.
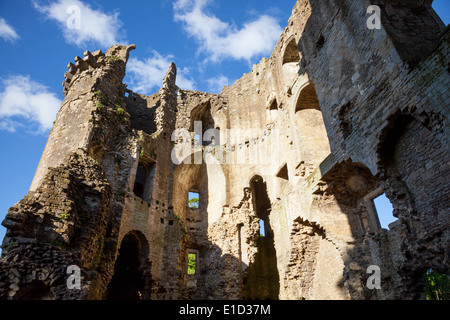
(337, 115)
(62, 223)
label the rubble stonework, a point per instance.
(355, 112)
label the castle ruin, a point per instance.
(285, 164)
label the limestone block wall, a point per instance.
(358, 91)
(62, 223)
(338, 114)
(378, 88)
(74, 122)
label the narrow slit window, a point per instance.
(215, 140)
(384, 210)
(194, 200)
(192, 263)
(217, 137)
(197, 140)
(262, 228)
(139, 183)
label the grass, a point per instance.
(194, 203)
(100, 106)
(437, 285)
(120, 110)
(192, 257)
(64, 216)
(98, 255)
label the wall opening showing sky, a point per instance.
(384, 210)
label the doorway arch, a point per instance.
(131, 274)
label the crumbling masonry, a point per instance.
(354, 112)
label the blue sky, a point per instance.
(212, 42)
(384, 209)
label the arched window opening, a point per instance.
(143, 183)
(290, 63)
(312, 133)
(139, 183)
(202, 114)
(35, 290)
(308, 99)
(128, 282)
(272, 110)
(216, 137)
(291, 54)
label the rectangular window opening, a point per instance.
(144, 180)
(262, 229)
(194, 200)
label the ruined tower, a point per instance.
(285, 165)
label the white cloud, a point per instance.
(148, 74)
(216, 84)
(222, 40)
(23, 98)
(7, 32)
(81, 24)
(9, 125)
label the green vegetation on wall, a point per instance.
(437, 285)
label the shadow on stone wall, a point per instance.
(411, 158)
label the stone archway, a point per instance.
(35, 290)
(290, 63)
(311, 133)
(130, 279)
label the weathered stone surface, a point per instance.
(343, 113)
